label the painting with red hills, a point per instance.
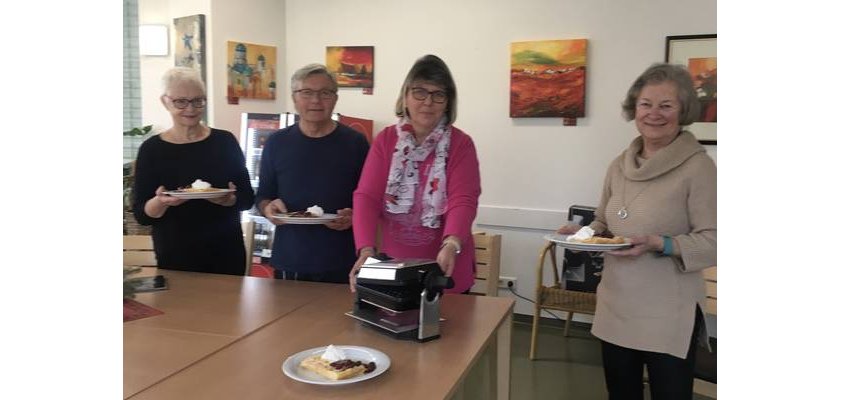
(353, 65)
(547, 78)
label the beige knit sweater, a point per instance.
(648, 302)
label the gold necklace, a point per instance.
(623, 212)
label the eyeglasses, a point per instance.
(198, 102)
(309, 94)
(420, 94)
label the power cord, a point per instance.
(511, 288)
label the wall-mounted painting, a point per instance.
(251, 71)
(705, 77)
(547, 78)
(189, 43)
(353, 65)
(698, 53)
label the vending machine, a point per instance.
(255, 129)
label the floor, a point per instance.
(565, 368)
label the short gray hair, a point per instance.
(429, 68)
(177, 75)
(690, 107)
(309, 70)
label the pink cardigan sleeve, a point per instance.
(368, 196)
(463, 187)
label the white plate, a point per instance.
(561, 240)
(292, 365)
(199, 195)
(305, 220)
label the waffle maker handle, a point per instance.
(435, 282)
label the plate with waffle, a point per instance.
(304, 218)
(595, 243)
(192, 193)
(340, 365)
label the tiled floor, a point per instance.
(565, 368)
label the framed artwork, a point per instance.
(547, 78)
(361, 125)
(251, 71)
(698, 54)
(190, 43)
(353, 65)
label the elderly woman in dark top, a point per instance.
(202, 235)
(661, 193)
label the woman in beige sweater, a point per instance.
(661, 193)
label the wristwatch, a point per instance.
(452, 242)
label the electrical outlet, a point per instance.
(505, 281)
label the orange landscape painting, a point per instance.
(353, 65)
(547, 78)
(705, 77)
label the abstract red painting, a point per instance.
(353, 65)
(547, 78)
(705, 77)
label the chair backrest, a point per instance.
(488, 248)
(711, 280)
(706, 362)
(587, 214)
(248, 238)
(581, 271)
(138, 251)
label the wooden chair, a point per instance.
(248, 238)
(138, 251)
(705, 362)
(711, 280)
(488, 248)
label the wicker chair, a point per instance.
(556, 296)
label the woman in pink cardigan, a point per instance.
(420, 182)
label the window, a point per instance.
(131, 79)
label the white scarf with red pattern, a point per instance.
(403, 176)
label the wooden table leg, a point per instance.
(503, 358)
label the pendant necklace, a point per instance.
(623, 212)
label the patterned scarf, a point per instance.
(403, 175)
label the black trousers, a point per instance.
(669, 377)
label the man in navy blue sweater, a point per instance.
(316, 162)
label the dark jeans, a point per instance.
(669, 377)
(326, 276)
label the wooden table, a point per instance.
(225, 337)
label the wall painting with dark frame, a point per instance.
(698, 54)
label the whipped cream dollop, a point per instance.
(316, 211)
(582, 234)
(200, 184)
(333, 354)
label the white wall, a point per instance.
(532, 169)
(252, 21)
(152, 68)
